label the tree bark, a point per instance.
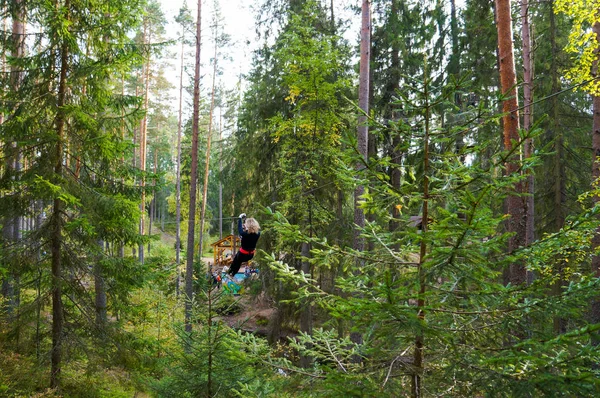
(418, 355)
(143, 141)
(454, 70)
(363, 128)
(3, 60)
(514, 204)
(559, 168)
(220, 175)
(178, 184)
(527, 122)
(100, 291)
(57, 223)
(559, 165)
(392, 115)
(11, 230)
(153, 203)
(595, 310)
(208, 144)
(362, 132)
(189, 269)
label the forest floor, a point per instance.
(254, 315)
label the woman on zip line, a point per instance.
(249, 231)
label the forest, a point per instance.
(425, 174)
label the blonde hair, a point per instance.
(252, 225)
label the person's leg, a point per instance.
(235, 264)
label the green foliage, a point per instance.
(583, 42)
(291, 160)
(482, 337)
(65, 120)
(227, 304)
(213, 358)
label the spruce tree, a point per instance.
(68, 115)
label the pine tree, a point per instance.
(514, 203)
(185, 19)
(189, 270)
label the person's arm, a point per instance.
(241, 227)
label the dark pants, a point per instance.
(237, 262)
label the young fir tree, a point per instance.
(217, 360)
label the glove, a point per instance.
(242, 215)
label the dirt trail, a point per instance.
(254, 316)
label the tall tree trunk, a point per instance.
(515, 205)
(220, 175)
(100, 290)
(362, 131)
(332, 18)
(57, 222)
(99, 285)
(122, 243)
(11, 230)
(153, 204)
(39, 206)
(454, 70)
(143, 138)
(595, 310)
(19, 30)
(559, 168)
(3, 59)
(559, 164)
(363, 128)
(189, 269)
(418, 355)
(527, 122)
(527, 109)
(178, 189)
(208, 142)
(396, 139)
